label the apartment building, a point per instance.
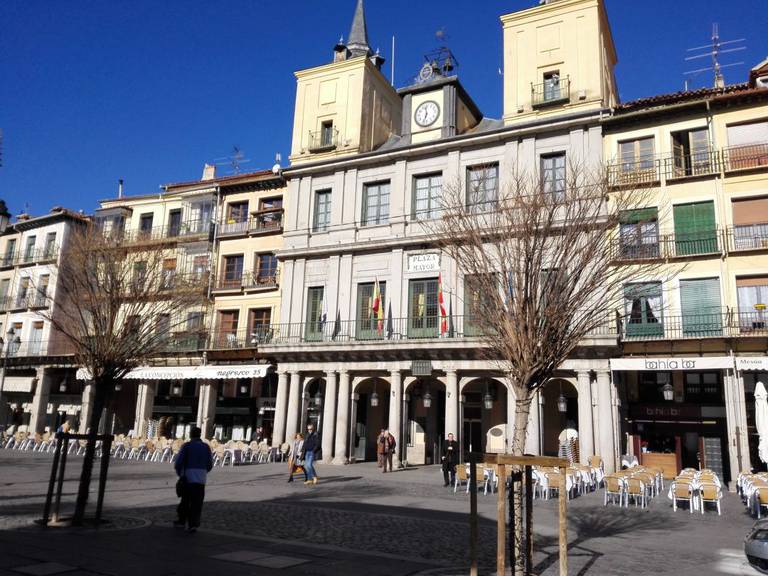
(39, 390)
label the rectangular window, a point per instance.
(752, 293)
(322, 218)
(266, 268)
(371, 316)
(237, 212)
(139, 278)
(553, 176)
(29, 249)
(642, 309)
(195, 321)
(233, 271)
(427, 194)
(145, 224)
(41, 298)
(636, 160)
(750, 223)
(423, 309)
(228, 320)
(163, 327)
(482, 187)
(639, 234)
(474, 287)
(50, 245)
(259, 325)
(695, 229)
(326, 133)
(703, 388)
(199, 218)
(36, 339)
(690, 153)
(5, 287)
(552, 86)
(23, 293)
(376, 203)
(174, 223)
(169, 273)
(10, 252)
(271, 203)
(14, 342)
(316, 314)
(701, 308)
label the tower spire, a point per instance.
(357, 43)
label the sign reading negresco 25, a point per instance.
(424, 262)
(678, 363)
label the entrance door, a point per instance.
(423, 312)
(473, 436)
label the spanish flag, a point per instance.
(377, 308)
(441, 302)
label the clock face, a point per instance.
(427, 113)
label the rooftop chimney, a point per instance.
(120, 188)
(209, 172)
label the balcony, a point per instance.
(696, 164)
(36, 348)
(635, 173)
(185, 341)
(190, 281)
(230, 227)
(747, 237)
(725, 323)
(7, 260)
(551, 93)
(390, 330)
(241, 339)
(323, 140)
(249, 281)
(668, 246)
(266, 221)
(34, 256)
(750, 157)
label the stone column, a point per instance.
(533, 433)
(735, 421)
(206, 409)
(743, 437)
(145, 402)
(281, 407)
(39, 410)
(294, 406)
(395, 414)
(451, 403)
(586, 439)
(86, 406)
(605, 408)
(329, 413)
(342, 419)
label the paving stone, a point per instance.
(45, 569)
(277, 562)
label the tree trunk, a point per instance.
(522, 411)
(99, 401)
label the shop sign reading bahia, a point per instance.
(674, 363)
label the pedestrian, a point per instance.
(295, 462)
(310, 448)
(192, 466)
(450, 459)
(380, 448)
(389, 450)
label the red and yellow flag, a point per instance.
(377, 308)
(441, 302)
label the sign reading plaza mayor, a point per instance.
(424, 262)
(674, 363)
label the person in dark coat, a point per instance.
(310, 449)
(450, 460)
(388, 442)
(192, 466)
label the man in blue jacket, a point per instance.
(192, 466)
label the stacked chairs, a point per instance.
(753, 489)
(639, 484)
(698, 488)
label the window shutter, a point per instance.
(695, 231)
(750, 211)
(745, 134)
(700, 305)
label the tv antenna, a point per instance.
(234, 161)
(714, 51)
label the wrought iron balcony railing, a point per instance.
(240, 338)
(644, 171)
(259, 223)
(261, 279)
(551, 92)
(323, 140)
(666, 246)
(36, 348)
(719, 323)
(701, 163)
(745, 157)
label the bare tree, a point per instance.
(540, 257)
(118, 305)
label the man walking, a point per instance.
(389, 450)
(450, 459)
(311, 446)
(192, 466)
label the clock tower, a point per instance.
(436, 105)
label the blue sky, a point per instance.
(149, 91)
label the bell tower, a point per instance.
(347, 106)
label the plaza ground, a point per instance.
(355, 521)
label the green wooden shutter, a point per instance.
(315, 323)
(367, 325)
(700, 305)
(695, 229)
(423, 310)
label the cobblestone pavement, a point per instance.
(354, 520)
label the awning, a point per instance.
(752, 363)
(207, 372)
(18, 384)
(672, 363)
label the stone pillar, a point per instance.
(342, 419)
(395, 411)
(451, 403)
(351, 433)
(743, 437)
(145, 402)
(206, 408)
(533, 434)
(294, 405)
(39, 410)
(281, 407)
(329, 413)
(606, 410)
(86, 406)
(736, 418)
(586, 438)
